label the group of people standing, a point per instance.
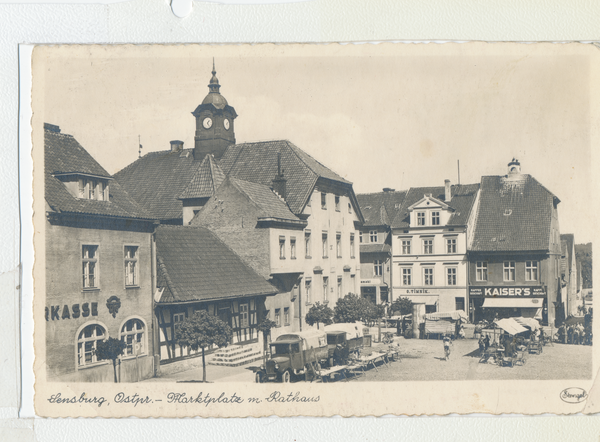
(575, 334)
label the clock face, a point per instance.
(226, 123)
(207, 123)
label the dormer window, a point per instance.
(85, 186)
(420, 218)
(435, 218)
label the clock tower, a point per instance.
(214, 122)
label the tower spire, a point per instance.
(213, 85)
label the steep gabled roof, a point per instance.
(514, 215)
(64, 155)
(206, 181)
(379, 209)
(195, 265)
(257, 163)
(157, 180)
(271, 205)
(462, 199)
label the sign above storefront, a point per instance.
(413, 291)
(506, 291)
(375, 281)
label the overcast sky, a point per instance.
(376, 118)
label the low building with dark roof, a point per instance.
(198, 271)
(375, 240)
(515, 252)
(98, 260)
(430, 236)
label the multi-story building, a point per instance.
(379, 210)
(570, 292)
(514, 257)
(430, 237)
(98, 268)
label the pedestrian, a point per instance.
(486, 341)
(447, 344)
(461, 332)
(481, 346)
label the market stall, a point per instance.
(441, 323)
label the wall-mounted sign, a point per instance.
(113, 304)
(54, 312)
(374, 281)
(413, 291)
(506, 291)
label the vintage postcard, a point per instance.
(316, 230)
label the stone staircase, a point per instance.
(236, 355)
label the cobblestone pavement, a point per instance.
(423, 360)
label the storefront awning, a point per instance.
(511, 326)
(422, 299)
(512, 303)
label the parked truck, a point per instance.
(294, 354)
(343, 340)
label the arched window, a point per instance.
(87, 342)
(132, 334)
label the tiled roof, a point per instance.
(379, 209)
(375, 248)
(206, 181)
(195, 265)
(157, 180)
(462, 198)
(64, 155)
(257, 162)
(271, 205)
(514, 215)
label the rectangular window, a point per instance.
(277, 317)
(338, 245)
(428, 246)
(339, 287)
(420, 218)
(435, 218)
(244, 322)
(482, 271)
(406, 246)
(325, 245)
(459, 303)
(451, 276)
(377, 267)
(323, 200)
(352, 245)
(178, 317)
(131, 266)
(406, 276)
(286, 316)
(531, 270)
(325, 288)
(451, 245)
(89, 259)
(337, 203)
(282, 247)
(307, 243)
(509, 270)
(307, 290)
(373, 236)
(349, 207)
(428, 276)
(360, 237)
(293, 247)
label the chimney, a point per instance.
(279, 181)
(448, 191)
(176, 146)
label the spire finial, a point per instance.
(214, 85)
(214, 71)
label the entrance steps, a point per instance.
(236, 355)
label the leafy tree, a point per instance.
(353, 308)
(583, 254)
(402, 306)
(319, 314)
(202, 330)
(110, 348)
(265, 327)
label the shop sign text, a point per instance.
(54, 312)
(507, 291)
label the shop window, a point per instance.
(87, 343)
(420, 218)
(132, 334)
(531, 270)
(131, 266)
(307, 244)
(406, 246)
(435, 218)
(428, 276)
(451, 245)
(373, 236)
(323, 200)
(244, 322)
(428, 246)
(293, 247)
(378, 267)
(482, 271)
(451, 276)
(325, 245)
(406, 276)
(89, 258)
(509, 270)
(282, 247)
(352, 255)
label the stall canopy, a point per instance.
(454, 315)
(533, 324)
(443, 322)
(510, 326)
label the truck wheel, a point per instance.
(259, 377)
(286, 377)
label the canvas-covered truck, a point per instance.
(294, 354)
(343, 339)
